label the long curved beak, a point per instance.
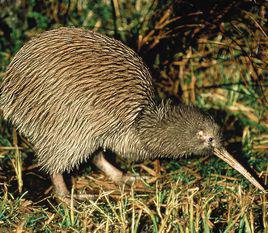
(224, 155)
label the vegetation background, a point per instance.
(213, 54)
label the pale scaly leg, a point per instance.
(63, 194)
(59, 184)
(111, 171)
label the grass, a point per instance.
(218, 63)
(169, 205)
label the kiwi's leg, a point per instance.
(111, 171)
(63, 194)
(59, 184)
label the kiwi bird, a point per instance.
(75, 93)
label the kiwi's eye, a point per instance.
(210, 139)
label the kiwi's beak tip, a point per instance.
(222, 153)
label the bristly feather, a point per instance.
(169, 130)
(72, 92)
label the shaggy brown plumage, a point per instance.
(72, 92)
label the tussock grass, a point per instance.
(213, 55)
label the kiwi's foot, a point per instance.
(114, 173)
(63, 195)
